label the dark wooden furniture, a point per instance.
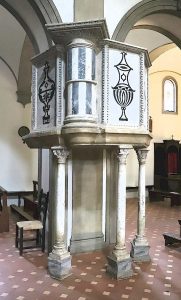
(4, 214)
(31, 201)
(167, 166)
(171, 238)
(158, 195)
(37, 226)
(167, 172)
(29, 210)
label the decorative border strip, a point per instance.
(34, 98)
(105, 86)
(58, 102)
(141, 118)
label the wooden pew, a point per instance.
(31, 201)
(4, 214)
(172, 238)
(30, 209)
(158, 195)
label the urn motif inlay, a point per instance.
(123, 93)
(46, 93)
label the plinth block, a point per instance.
(59, 269)
(140, 253)
(119, 269)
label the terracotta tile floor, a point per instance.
(26, 277)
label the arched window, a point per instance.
(169, 95)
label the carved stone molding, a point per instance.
(142, 155)
(122, 155)
(95, 31)
(61, 154)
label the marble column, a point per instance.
(119, 262)
(59, 260)
(140, 247)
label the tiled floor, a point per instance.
(26, 277)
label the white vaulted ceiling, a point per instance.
(12, 37)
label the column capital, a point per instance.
(122, 155)
(142, 155)
(61, 153)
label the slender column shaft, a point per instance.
(120, 248)
(119, 262)
(59, 246)
(142, 155)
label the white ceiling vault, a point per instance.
(158, 32)
(23, 34)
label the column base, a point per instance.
(59, 268)
(119, 269)
(140, 253)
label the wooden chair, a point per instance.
(37, 226)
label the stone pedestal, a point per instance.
(119, 269)
(119, 262)
(140, 247)
(140, 252)
(59, 266)
(59, 260)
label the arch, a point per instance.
(141, 10)
(165, 32)
(33, 15)
(25, 67)
(11, 70)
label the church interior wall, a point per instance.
(18, 162)
(162, 67)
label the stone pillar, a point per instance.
(59, 260)
(140, 247)
(119, 262)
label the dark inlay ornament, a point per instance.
(46, 92)
(123, 93)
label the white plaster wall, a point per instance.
(133, 168)
(66, 9)
(18, 163)
(114, 10)
(45, 170)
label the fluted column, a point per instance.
(59, 260)
(140, 247)
(119, 262)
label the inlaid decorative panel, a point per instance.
(47, 90)
(125, 102)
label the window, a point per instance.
(169, 95)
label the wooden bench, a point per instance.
(20, 211)
(158, 195)
(171, 238)
(31, 201)
(27, 212)
(4, 214)
(30, 209)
